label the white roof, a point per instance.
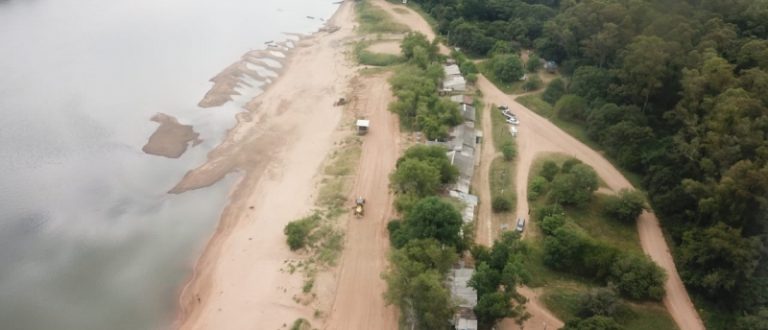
(451, 70)
(363, 122)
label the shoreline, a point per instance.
(263, 129)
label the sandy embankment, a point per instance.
(278, 146)
(171, 138)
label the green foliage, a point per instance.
(416, 177)
(637, 277)
(596, 322)
(508, 150)
(418, 104)
(625, 207)
(717, 258)
(414, 40)
(436, 157)
(431, 217)
(501, 204)
(506, 67)
(496, 278)
(757, 321)
(533, 83)
(601, 301)
(533, 64)
(549, 169)
(571, 107)
(551, 223)
(554, 91)
(536, 187)
(298, 231)
(301, 324)
(574, 187)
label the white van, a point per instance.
(520, 225)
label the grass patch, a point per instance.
(367, 57)
(501, 177)
(375, 20)
(501, 134)
(544, 109)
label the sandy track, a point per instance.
(538, 135)
(412, 19)
(278, 146)
(359, 303)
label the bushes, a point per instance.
(533, 83)
(549, 170)
(571, 107)
(536, 187)
(416, 177)
(533, 64)
(555, 90)
(298, 231)
(574, 187)
(625, 207)
(501, 204)
(508, 150)
(636, 277)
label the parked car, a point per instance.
(520, 225)
(513, 120)
(503, 107)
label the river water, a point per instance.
(89, 238)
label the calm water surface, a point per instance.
(88, 237)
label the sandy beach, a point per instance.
(278, 147)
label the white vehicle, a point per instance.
(520, 225)
(513, 120)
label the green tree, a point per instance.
(575, 187)
(571, 107)
(625, 207)
(637, 277)
(591, 83)
(601, 301)
(551, 223)
(412, 40)
(492, 307)
(508, 150)
(485, 280)
(717, 258)
(533, 83)
(298, 231)
(417, 177)
(501, 204)
(757, 321)
(533, 64)
(596, 322)
(436, 157)
(506, 67)
(549, 169)
(645, 67)
(434, 218)
(536, 187)
(554, 91)
(431, 301)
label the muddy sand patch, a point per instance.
(171, 138)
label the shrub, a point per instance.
(601, 301)
(574, 187)
(554, 91)
(536, 187)
(508, 150)
(549, 170)
(533, 83)
(625, 207)
(501, 204)
(297, 231)
(571, 107)
(551, 223)
(637, 277)
(533, 64)
(506, 67)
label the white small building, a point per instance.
(451, 70)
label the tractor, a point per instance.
(359, 211)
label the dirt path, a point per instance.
(278, 147)
(412, 19)
(538, 135)
(359, 303)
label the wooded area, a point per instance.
(676, 91)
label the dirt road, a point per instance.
(538, 135)
(359, 303)
(488, 153)
(278, 147)
(412, 19)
